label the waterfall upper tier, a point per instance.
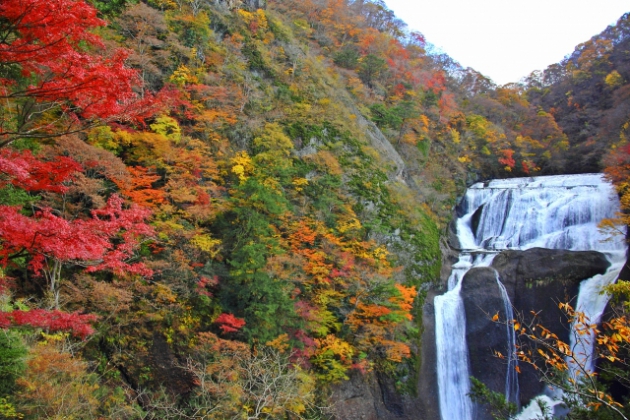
(556, 212)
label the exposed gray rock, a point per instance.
(451, 236)
(370, 396)
(534, 270)
(253, 5)
(393, 163)
(384, 147)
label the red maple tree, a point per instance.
(76, 323)
(229, 323)
(54, 75)
(106, 240)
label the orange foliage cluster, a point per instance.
(338, 269)
(552, 357)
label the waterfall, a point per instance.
(453, 382)
(556, 212)
(592, 304)
(511, 378)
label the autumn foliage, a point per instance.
(87, 242)
(52, 61)
(564, 365)
(279, 177)
(23, 170)
(229, 323)
(52, 321)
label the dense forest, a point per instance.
(221, 208)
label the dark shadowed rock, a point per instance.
(355, 399)
(370, 396)
(451, 236)
(460, 209)
(482, 299)
(536, 280)
(476, 218)
(538, 268)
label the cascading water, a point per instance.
(556, 212)
(511, 380)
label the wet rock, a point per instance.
(536, 280)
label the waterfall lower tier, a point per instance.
(450, 338)
(559, 212)
(591, 303)
(511, 380)
(453, 377)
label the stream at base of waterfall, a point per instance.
(554, 212)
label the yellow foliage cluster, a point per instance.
(299, 183)
(207, 243)
(351, 224)
(183, 76)
(256, 21)
(168, 127)
(242, 165)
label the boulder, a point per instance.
(482, 299)
(370, 396)
(536, 280)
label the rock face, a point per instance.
(370, 397)
(254, 5)
(536, 280)
(251, 5)
(482, 299)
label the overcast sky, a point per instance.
(508, 39)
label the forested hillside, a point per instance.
(587, 94)
(219, 209)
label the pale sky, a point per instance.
(508, 39)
